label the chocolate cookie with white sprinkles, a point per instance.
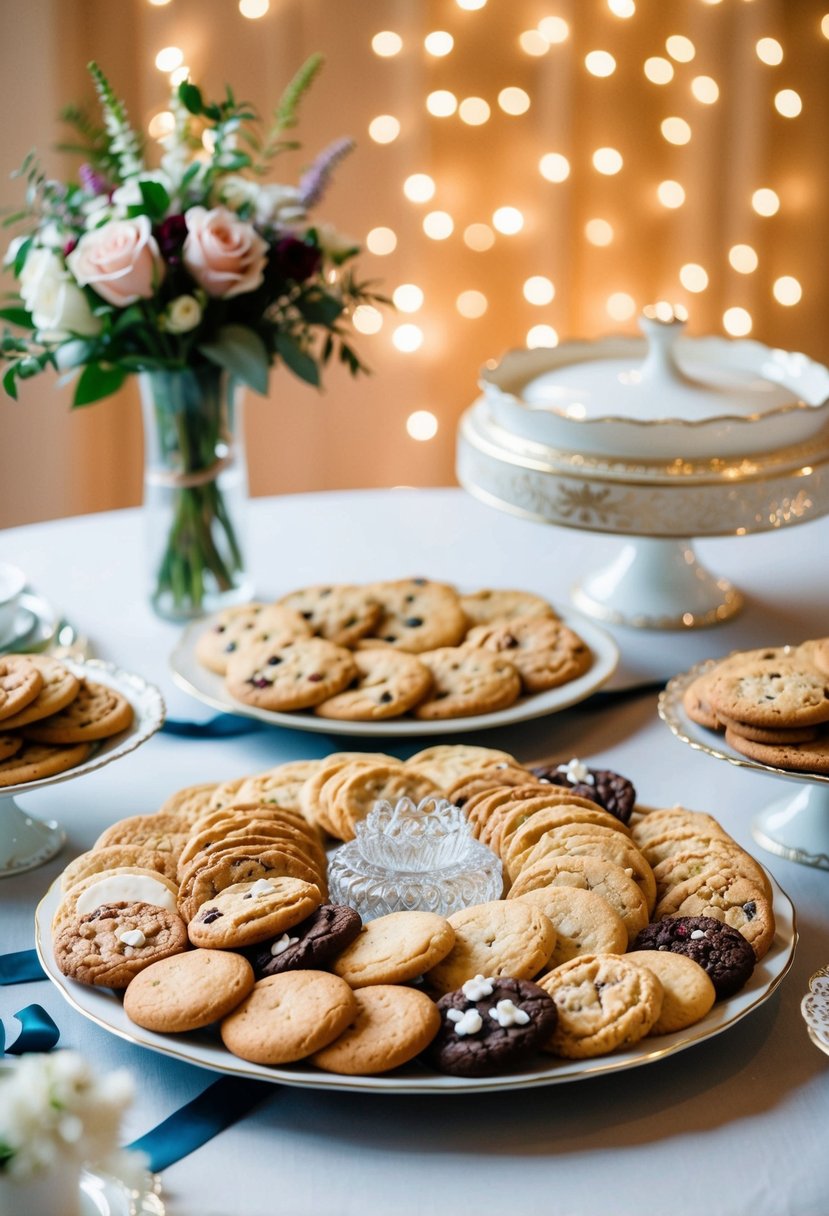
(608, 789)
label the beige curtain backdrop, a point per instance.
(56, 462)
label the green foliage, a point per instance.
(97, 381)
(286, 115)
(242, 352)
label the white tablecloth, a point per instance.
(734, 1125)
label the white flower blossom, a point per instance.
(181, 315)
(278, 206)
(53, 1107)
(58, 306)
(334, 243)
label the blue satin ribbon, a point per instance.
(187, 1129)
(39, 1032)
(21, 967)
(223, 726)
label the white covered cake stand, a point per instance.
(656, 440)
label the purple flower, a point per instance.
(312, 184)
(295, 259)
(91, 181)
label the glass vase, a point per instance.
(195, 490)
(56, 1192)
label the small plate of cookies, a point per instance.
(405, 657)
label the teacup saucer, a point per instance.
(33, 628)
(22, 625)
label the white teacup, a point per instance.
(12, 582)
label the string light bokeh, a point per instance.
(525, 174)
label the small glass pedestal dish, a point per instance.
(657, 440)
(27, 842)
(794, 826)
(405, 858)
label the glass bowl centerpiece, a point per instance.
(410, 857)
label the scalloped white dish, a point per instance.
(208, 687)
(577, 417)
(206, 1050)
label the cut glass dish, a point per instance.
(408, 857)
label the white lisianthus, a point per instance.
(278, 206)
(13, 249)
(182, 315)
(337, 245)
(58, 306)
(50, 236)
(236, 191)
(97, 211)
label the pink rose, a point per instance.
(225, 255)
(120, 261)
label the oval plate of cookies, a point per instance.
(406, 658)
(85, 715)
(206, 1050)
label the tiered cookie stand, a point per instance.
(27, 842)
(794, 826)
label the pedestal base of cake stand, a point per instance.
(797, 827)
(25, 843)
(657, 584)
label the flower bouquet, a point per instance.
(198, 275)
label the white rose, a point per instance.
(58, 306)
(182, 315)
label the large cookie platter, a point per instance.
(104, 1007)
(209, 688)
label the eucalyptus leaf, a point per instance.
(9, 382)
(156, 199)
(128, 318)
(17, 316)
(190, 96)
(73, 354)
(321, 309)
(242, 352)
(297, 360)
(96, 382)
